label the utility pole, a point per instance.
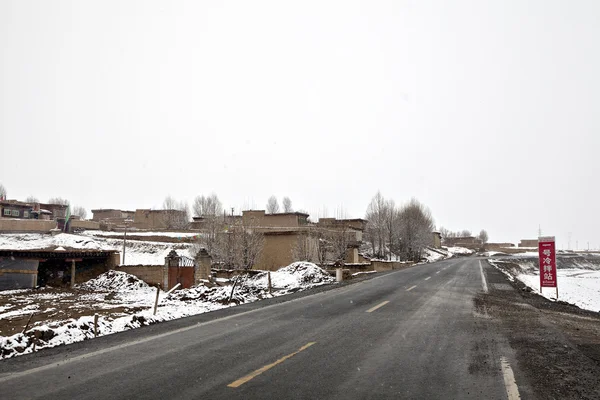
(127, 221)
(124, 241)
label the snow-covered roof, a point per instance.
(137, 252)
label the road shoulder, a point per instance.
(556, 345)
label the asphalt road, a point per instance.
(416, 333)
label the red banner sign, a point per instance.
(547, 251)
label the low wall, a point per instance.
(381, 266)
(516, 250)
(79, 224)
(26, 225)
(151, 274)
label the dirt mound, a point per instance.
(114, 280)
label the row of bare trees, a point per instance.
(403, 231)
(323, 245)
(273, 205)
(232, 242)
(448, 234)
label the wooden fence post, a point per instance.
(270, 286)
(156, 301)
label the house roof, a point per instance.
(110, 209)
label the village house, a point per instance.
(111, 215)
(24, 210)
(528, 243)
(290, 237)
(469, 242)
(159, 219)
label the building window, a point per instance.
(15, 213)
(7, 212)
(25, 214)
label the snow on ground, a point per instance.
(493, 253)
(142, 233)
(114, 280)
(123, 302)
(432, 255)
(576, 286)
(43, 241)
(459, 251)
(137, 252)
(363, 273)
(578, 278)
(294, 276)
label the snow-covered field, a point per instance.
(578, 278)
(137, 252)
(124, 302)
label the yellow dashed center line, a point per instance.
(259, 371)
(411, 288)
(377, 306)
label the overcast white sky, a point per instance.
(487, 112)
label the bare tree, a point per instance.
(305, 248)
(240, 246)
(2, 192)
(272, 205)
(32, 199)
(323, 243)
(205, 206)
(446, 233)
(80, 211)
(415, 227)
(391, 227)
(376, 216)
(211, 209)
(176, 214)
(58, 200)
(287, 205)
(483, 236)
(340, 239)
(465, 233)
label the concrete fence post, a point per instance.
(339, 275)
